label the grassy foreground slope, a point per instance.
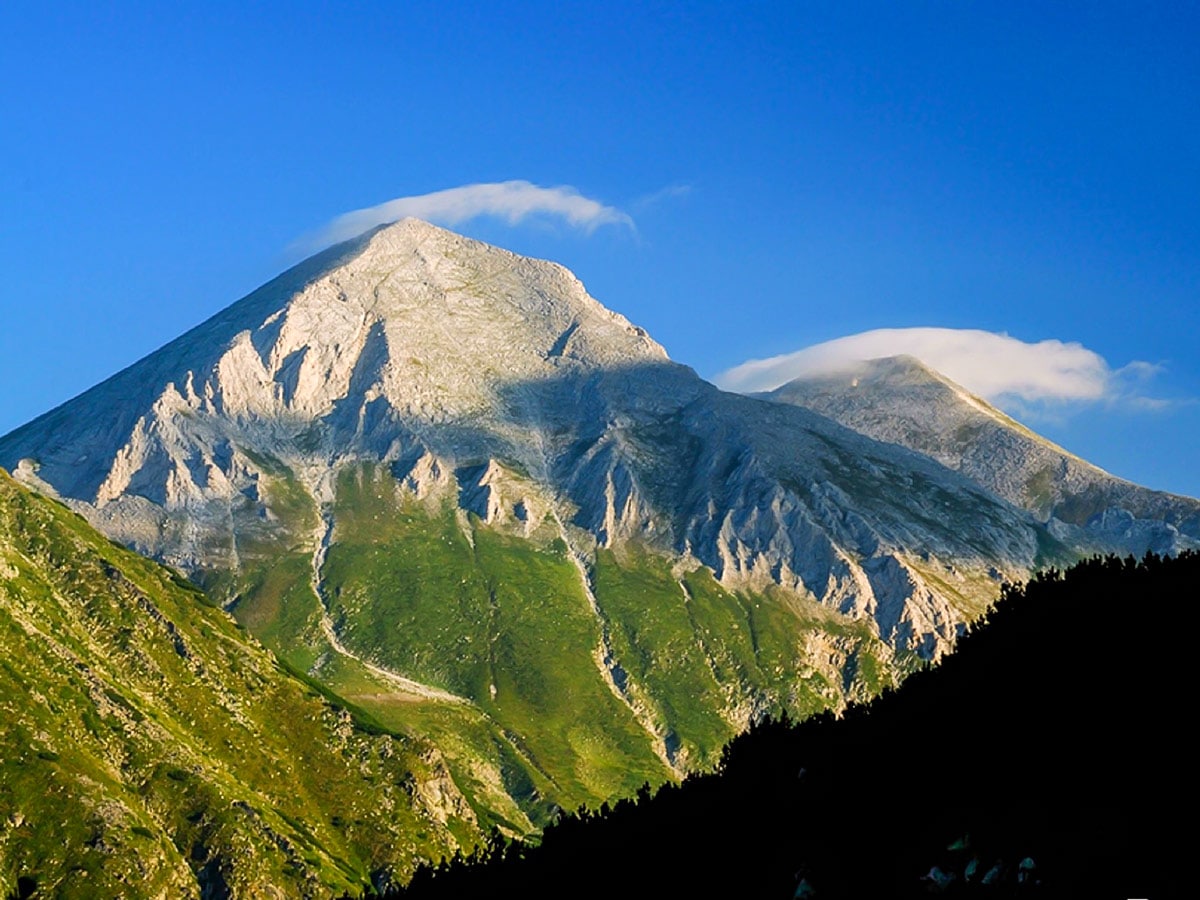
(150, 748)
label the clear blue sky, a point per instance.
(1027, 168)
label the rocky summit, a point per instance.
(902, 401)
(447, 484)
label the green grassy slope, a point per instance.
(503, 621)
(499, 620)
(710, 661)
(149, 747)
(181, 757)
(273, 597)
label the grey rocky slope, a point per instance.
(454, 362)
(902, 401)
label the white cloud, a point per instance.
(511, 201)
(994, 366)
(671, 192)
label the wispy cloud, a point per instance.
(671, 192)
(512, 201)
(997, 367)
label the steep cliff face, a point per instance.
(901, 401)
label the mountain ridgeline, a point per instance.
(446, 485)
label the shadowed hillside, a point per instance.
(1045, 758)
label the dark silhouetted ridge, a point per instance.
(1043, 759)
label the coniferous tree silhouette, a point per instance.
(1047, 757)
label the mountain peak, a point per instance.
(432, 281)
(410, 234)
(901, 369)
(887, 383)
(434, 326)
(901, 400)
(491, 383)
(902, 365)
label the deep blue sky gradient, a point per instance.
(1023, 167)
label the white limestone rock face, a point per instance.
(902, 401)
(464, 367)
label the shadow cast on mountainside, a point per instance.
(694, 452)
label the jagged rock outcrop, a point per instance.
(902, 401)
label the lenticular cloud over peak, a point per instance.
(512, 201)
(988, 364)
